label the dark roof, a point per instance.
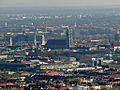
(59, 43)
(81, 48)
(116, 43)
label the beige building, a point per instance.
(58, 66)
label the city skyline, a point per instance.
(59, 45)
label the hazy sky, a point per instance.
(54, 3)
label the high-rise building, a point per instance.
(69, 37)
(117, 36)
(46, 27)
(6, 24)
(32, 23)
(11, 41)
(43, 40)
(35, 41)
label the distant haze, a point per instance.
(56, 3)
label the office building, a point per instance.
(117, 36)
(69, 37)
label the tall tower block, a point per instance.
(46, 27)
(117, 36)
(69, 37)
(35, 41)
(11, 41)
(6, 24)
(43, 40)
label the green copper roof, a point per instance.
(69, 29)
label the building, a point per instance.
(59, 66)
(10, 41)
(56, 44)
(43, 40)
(116, 45)
(117, 36)
(69, 37)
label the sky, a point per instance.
(56, 3)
